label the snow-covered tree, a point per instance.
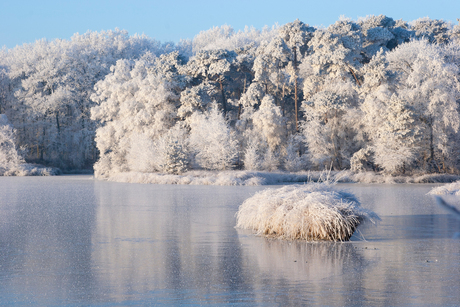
(337, 50)
(431, 86)
(269, 122)
(330, 81)
(454, 33)
(253, 152)
(212, 140)
(362, 160)
(5, 92)
(196, 98)
(377, 34)
(167, 154)
(226, 38)
(212, 66)
(139, 99)
(269, 67)
(377, 87)
(330, 124)
(295, 158)
(395, 145)
(9, 157)
(52, 84)
(435, 30)
(264, 136)
(297, 34)
(176, 159)
(377, 94)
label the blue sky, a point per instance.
(24, 21)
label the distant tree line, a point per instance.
(373, 94)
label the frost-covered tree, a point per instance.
(430, 85)
(330, 124)
(435, 30)
(176, 159)
(52, 84)
(377, 87)
(269, 122)
(337, 50)
(196, 98)
(454, 33)
(253, 154)
(264, 137)
(5, 91)
(9, 157)
(395, 144)
(212, 141)
(295, 158)
(226, 38)
(167, 154)
(212, 38)
(212, 66)
(377, 34)
(137, 102)
(362, 160)
(270, 68)
(330, 77)
(297, 34)
(377, 94)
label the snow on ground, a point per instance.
(214, 178)
(27, 169)
(314, 211)
(448, 189)
(372, 177)
(270, 178)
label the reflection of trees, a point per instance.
(418, 261)
(382, 272)
(45, 250)
(303, 272)
(178, 240)
(168, 244)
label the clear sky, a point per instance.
(24, 21)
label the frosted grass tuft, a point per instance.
(312, 212)
(447, 189)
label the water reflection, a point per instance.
(170, 238)
(298, 271)
(74, 241)
(45, 241)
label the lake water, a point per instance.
(74, 241)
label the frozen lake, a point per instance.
(74, 241)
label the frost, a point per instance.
(11, 162)
(311, 212)
(9, 157)
(448, 189)
(375, 94)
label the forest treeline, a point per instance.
(373, 94)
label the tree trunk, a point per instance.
(239, 98)
(57, 123)
(295, 90)
(224, 101)
(354, 75)
(431, 140)
(283, 100)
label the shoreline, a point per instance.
(259, 178)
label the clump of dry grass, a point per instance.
(312, 212)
